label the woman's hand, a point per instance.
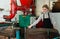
(29, 26)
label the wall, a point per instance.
(4, 4)
(56, 20)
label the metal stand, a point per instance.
(17, 34)
(25, 33)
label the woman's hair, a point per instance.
(46, 6)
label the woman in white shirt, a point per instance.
(45, 18)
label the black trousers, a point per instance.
(47, 23)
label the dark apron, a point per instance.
(47, 23)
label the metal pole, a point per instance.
(17, 34)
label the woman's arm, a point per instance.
(40, 17)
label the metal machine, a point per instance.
(26, 5)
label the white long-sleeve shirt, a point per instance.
(40, 17)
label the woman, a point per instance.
(45, 18)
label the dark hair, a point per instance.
(46, 6)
